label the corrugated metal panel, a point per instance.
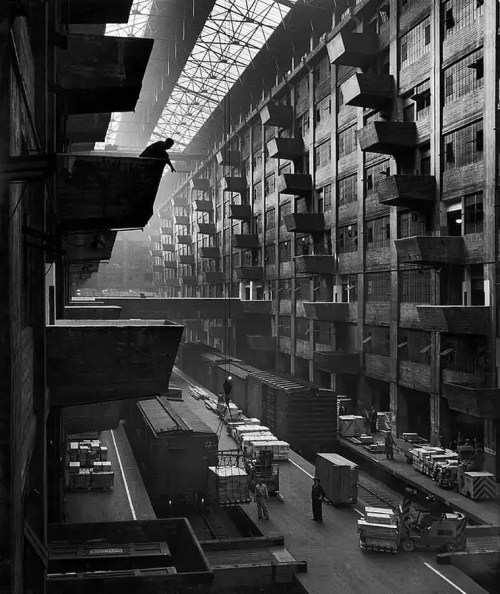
(157, 417)
(188, 416)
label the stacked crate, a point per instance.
(280, 449)
(228, 485)
(378, 530)
(351, 425)
(88, 466)
(383, 421)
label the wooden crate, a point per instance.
(228, 484)
(351, 425)
(339, 478)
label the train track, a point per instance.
(375, 497)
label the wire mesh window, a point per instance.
(284, 209)
(347, 190)
(301, 328)
(347, 239)
(457, 14)
(377, 233)
(414, 223)
(414, 44)
(269, 184)
(378, 286)
(285, 253)
(302, 124)
(377, 340)
(415, 346)
(349, 285)
(463, 146)
(466, 354)
(373, 173)
(473, 213)
(347, 141)
(463, 77)
(284, 289)
(323, 154)
(415, 286)
(285, 326)
(324, 198)
(303, 289)
(322, 289)
(270, 219)
(323, 332)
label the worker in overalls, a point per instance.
(261, 496)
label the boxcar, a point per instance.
(173, 448)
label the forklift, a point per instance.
(265, 469)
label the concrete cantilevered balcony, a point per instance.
(87, 127)
(207, 228)
(455, 319)
(296, 184)
(337, 361)
(168, 247)
(184, 239)
(101, 74)
(305, 222)
(327, 311)
(97, 12)
(102, 192)
(180, 200)
(423, 249)
(374, 91)
(209, 252)
(261, 342)
(186, 259)
(285, 148)
(156, 253)
(240, 212)
(228, 157)
(245, 241)
(352, 49)
(89, 246)
(182, 220)
(322, 265)
(275, 114)
(234, 184)
(388, 138)
(204, 205)
(250, 273)
(170, 264)
(213, 278)
(92, 362)
(256, 306)
(188, 280)
(199, 183)
(407, 191)
(477, 402)
(166, 230)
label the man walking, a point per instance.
(158, 150)
(317, 496)
(261, 496)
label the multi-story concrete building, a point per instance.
(358, 194)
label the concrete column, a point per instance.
(242, 292)
(253, 290)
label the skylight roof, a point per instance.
(234, 33)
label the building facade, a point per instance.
(359, 196)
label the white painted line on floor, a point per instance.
(131, 505)
(300, 468)
(445, 578)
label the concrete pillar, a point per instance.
(434, 418)
(253, 290)
(242, 291)
(393, 407)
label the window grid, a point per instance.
(323, 154)
(301, 328)
(415, 286)
(269, 184)
(378, 286)
(347, 190)
(323, 110)
(284, 289)
(285, 253)
(372, 175)
(257, 191)
(284, 209)
(457, 14)
(285, 326)
(323, 332)
(414, 346)
(270, 219)
(347, 141)
(380, 340)
(377, 233)
(473, 213)
(303, 124)
(347, 239)
(414, 44)
(413, 223)
(463, 146)
(463, 77)
(269, 254)
(468, 354)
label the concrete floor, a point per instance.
(336, 564)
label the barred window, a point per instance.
(323, 154)
(269, 254)
(373, 173)
(457, 14)
(377, 233)
(378, 286)
(347, 190)
(285, 326)
(284, 251)
(414, 223)
(473, 213)
(270, 219)
(301, 328)
(347, 239)
(303, 124)
(323, 110)
(284, 209)
(347, 141)
(468, 354)
(463, 146)
(257, 191)
(414, 345)
(463, 77)
(269, 183)
(414, 44)
(377, 340)
(415, 286)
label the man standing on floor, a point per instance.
(389, 446)
(317, 496)
(261, 496)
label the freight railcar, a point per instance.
(173, 448)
